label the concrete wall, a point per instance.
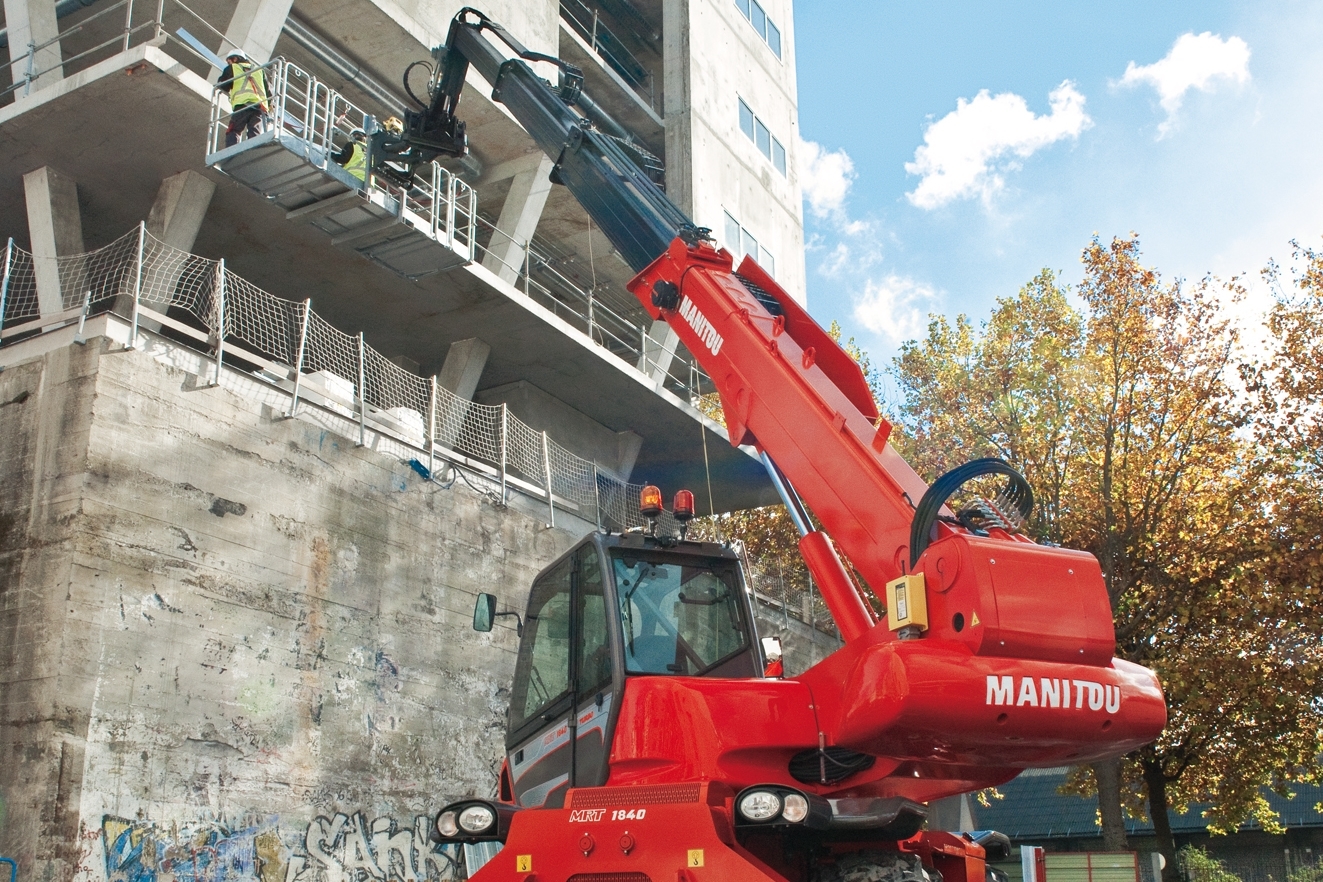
(232, 640)
(238, 646)
(714, 57)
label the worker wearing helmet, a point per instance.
(353, 156)
(246, 84)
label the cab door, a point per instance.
(561, 700)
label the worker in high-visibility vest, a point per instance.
(353, 156)
(246, 84)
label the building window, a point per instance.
(756, 131)
(755, 15)
(740, 242)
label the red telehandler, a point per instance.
(649, 736)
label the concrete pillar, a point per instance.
(255, 27)
(658, 351)
(180, 206)
(32, 22)
(677, 112)
(519, 216)
(176, 217)
(55, 229)
(460, 375)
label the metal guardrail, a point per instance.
(587, 21)
(116, 28)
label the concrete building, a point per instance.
(234, 598)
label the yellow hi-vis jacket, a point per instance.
(357, 164)
(247, 85)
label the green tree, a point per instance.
(1125, 418)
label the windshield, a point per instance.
(677, 618)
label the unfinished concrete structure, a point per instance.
(234, 643)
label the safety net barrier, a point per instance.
(198, 302)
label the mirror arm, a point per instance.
(519, 622)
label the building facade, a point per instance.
(236, 573)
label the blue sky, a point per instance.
(954, 149)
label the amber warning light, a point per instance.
(650, 504)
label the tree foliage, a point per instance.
(1127, 417)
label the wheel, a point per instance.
(878, 866)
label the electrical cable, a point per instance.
(926, 514)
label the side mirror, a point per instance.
(484, 612)
(771, 648)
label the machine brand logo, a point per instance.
(1051, 692)
(586, 816)
(702, 327)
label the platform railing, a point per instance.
(316, 121)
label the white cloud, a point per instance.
(895, 307)
(1194, 62)
(966, 152)
(825, 176)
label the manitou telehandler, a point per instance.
(649, 736)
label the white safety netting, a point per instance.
(202, 304)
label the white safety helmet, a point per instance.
(358, 135)
(237, 53)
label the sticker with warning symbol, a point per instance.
(524, 863)
(695, 857)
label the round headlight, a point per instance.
(796, 808)
(760, 805)
(445, 824)
(476, 819)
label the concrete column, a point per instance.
(519, 217)
(658, 351)
(55, 229)
(255, 27)
(180, 206)
(677, 112)
(460, 375)
(176, 217)
(33, 22)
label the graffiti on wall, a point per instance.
(342, 848)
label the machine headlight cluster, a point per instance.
(775, 804)
(473, 820)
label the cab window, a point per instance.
(542, 673)
(594, 668)
(677, 618)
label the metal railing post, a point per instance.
(160, 18)
(4, 285)
(597, 496)
(128, 23)
(431, 428)
(546, 470)
(220, 319)
(137, 284)
(527, 262)
(298, 362)
(505, 426)
(82, 319)
(32, 60)
(362, 394)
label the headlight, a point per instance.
(445, 824)
(476, 819)
(796, 808)
(760, 805)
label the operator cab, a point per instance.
(614, 608)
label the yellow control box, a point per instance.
(907, 603)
